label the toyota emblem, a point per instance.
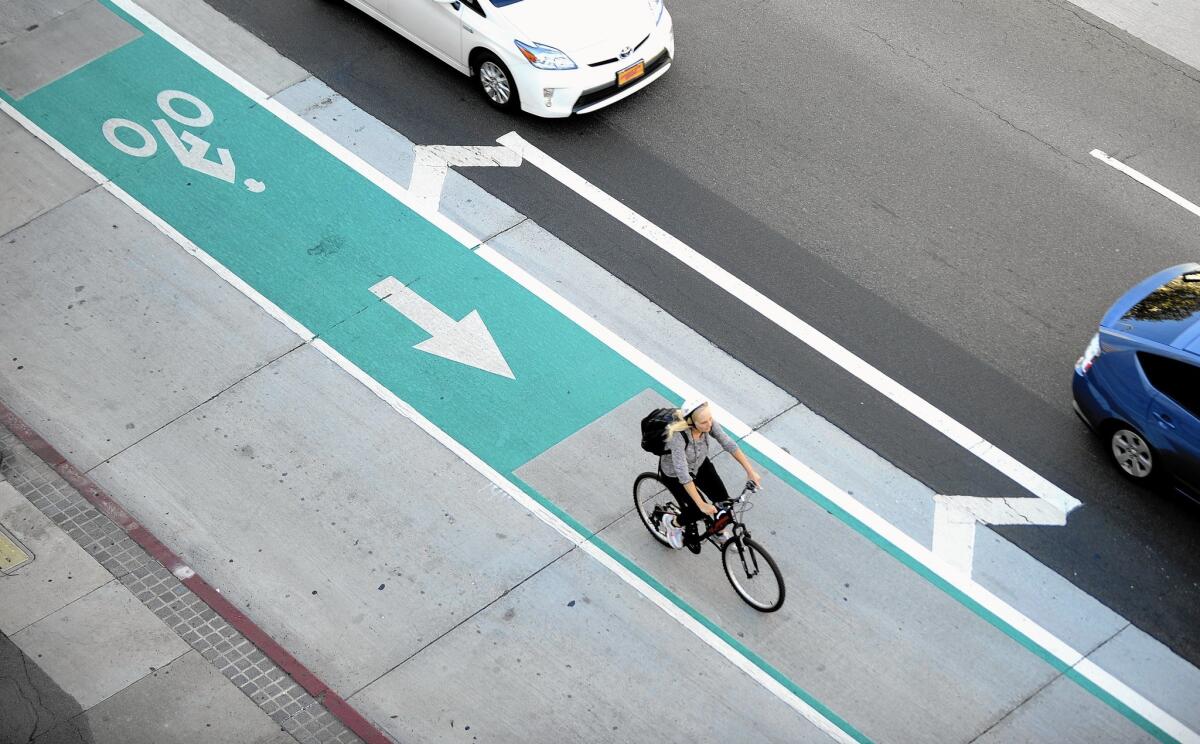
(625, 52)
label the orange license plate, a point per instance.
(631, 73)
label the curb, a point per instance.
(106, 505)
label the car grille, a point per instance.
(611, 89)
(604, 62)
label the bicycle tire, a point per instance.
(646, 488)
(731, 560)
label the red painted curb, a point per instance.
(212, 597)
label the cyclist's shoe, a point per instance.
(691, 539)
(671, 530)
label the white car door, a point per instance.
(435, 25)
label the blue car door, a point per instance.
(1179, 427)
(1175, 413)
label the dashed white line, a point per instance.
(1146, 181)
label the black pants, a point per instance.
(707, 481)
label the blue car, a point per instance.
(1137, 384)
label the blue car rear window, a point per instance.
(1167, 311)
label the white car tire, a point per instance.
(495, 82)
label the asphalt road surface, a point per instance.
(915, 182)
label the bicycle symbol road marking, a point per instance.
(188, 149)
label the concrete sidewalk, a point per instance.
(92, 636)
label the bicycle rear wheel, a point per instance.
(651, 498)
(753, 573)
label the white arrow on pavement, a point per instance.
(432, 161)
(465, 341)
(955, 519)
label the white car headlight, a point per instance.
(545, 57)
(656, 8)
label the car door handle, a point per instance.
(468, 29)
(1164, 420)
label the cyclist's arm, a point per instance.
(699, 500)
(744, 461)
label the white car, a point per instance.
(547, 57)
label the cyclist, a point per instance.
(689, 474)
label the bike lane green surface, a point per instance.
(313, 236)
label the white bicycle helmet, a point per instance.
(690, 406)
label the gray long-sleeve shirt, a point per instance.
(686, 454)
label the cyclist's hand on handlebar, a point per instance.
(755, 478)
(709, 510)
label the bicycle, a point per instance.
(750, 569)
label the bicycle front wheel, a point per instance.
(650, 496)
(753, 573)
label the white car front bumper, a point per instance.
(589, 88)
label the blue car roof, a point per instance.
(1163, 308)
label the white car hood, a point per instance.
(576, 26)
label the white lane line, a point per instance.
(1146, 181)
(773, 311)
(706, 635)
(1006, 613)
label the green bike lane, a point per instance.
(313, 236)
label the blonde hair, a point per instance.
(682, 423)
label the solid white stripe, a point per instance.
(774, 312)
(1146, 181)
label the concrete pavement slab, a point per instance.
(1150, 668)
(100, 644)
(36, 179)
(642, 323)
(185, 702)
(60, 573)
(338, 526)
(121, 331)
(1063, 713)
(229, 43)
(20, 15)
(879, 485)
(573, 654)
(1170, 25)
(392, 154)
(60, 46)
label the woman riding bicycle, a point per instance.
(689, 474)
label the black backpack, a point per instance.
(654, 430)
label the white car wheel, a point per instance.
(496, 83)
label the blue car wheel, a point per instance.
(1132, 453)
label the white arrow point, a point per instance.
(468, 342)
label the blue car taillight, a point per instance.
(1090, 354)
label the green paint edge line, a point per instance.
(695, 614)
(954, 592)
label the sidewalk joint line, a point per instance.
(256, 370)
(464, 621)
